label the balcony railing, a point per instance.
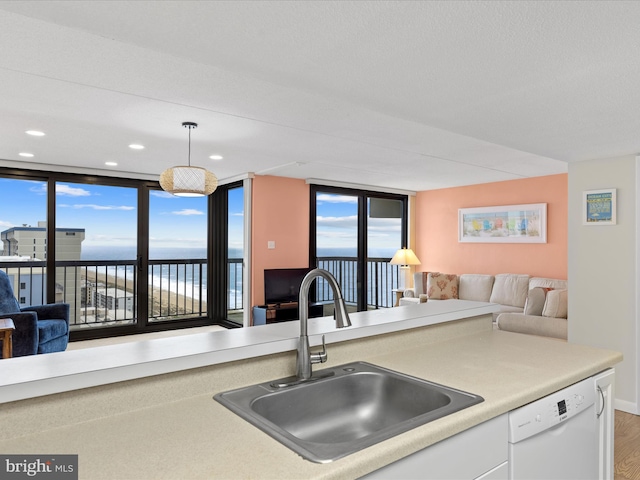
(104, 293)
(382, 279)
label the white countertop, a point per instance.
(28, 377)
(197, 438)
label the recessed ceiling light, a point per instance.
(136, 146)
(111, 164)
(35, 133)
(25, 154)
(216, 157)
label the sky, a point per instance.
(337, 226)
(109, 216)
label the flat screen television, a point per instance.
(282, 285)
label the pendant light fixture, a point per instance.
(188, 181)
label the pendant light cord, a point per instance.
(189, 145)
(189, 125)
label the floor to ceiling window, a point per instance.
(96, 252)
(354, 234)
(127, 256)
(235, 253)
(23, 230)
(177, 282)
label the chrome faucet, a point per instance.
(305, 358)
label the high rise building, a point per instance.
(30, 243)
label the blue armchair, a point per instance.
(39, 329)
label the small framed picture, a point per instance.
(599, 207)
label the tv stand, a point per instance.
(282, 312)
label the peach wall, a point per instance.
(281, 214)
(437, 244)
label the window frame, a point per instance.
(216, 249)
(362, 254)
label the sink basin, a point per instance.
(347, 408)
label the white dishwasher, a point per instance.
(556, 437)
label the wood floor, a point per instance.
(627, 446)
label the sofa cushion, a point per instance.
(419, 283)
(556, 304)
(548, 283)
(533, 325)
(442, 286)
(535, 301)
(475, 287)
(510, 289)
(508, 309)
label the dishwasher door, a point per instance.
(556, 437)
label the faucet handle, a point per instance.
(319, 357)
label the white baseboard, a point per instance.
(625, 406)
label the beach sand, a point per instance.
(164, 302)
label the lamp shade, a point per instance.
(187, 181)
(405, 256)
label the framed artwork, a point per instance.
(599, 207)
(506, 224)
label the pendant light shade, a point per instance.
(188, 181)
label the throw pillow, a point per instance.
(535, 301)
(556, 305)
(442, 286)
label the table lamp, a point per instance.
(405, 258)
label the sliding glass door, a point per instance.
(96, 253)
(177, 280)
(353, 235)
(235, 253)
(386, 233)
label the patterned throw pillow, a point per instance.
(442, 286)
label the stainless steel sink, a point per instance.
(346, 409)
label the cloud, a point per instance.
(187, 212)
(102, 238)
(40, 189)
(328, 198)
(334, 235)
(68, 191)
(4, 224)
(384, 224)
(350, 221)
(97, 207)
(239, 214)
(177, 242)
(161, 194)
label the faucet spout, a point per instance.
(305, 358)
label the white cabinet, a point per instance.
(604, 385)
(478, 453)
(501, 472)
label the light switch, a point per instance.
(271, 244)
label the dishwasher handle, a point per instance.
(604, 401)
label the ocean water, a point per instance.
(186, 279)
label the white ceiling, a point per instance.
(406, 95)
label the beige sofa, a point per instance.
(531, 305)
